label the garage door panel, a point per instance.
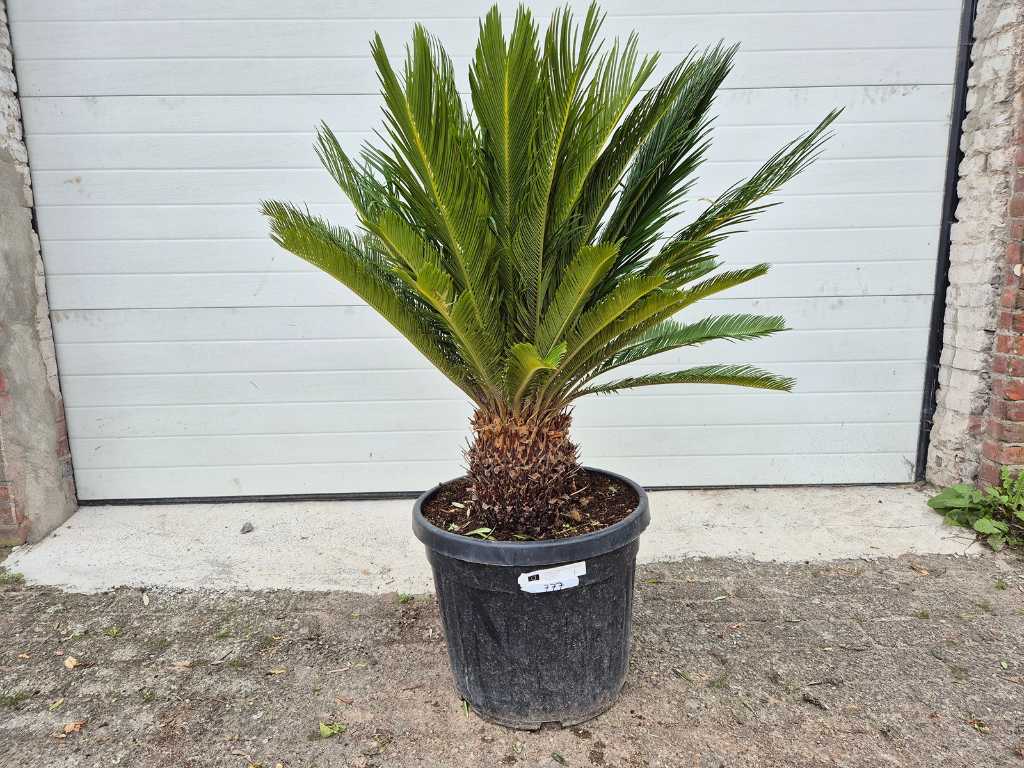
(196, 358)
(313, 185)
(280, 418)
(601, 443)
(160, 10)
(840, 211)
(414, 476)
(753, 69)
(222, 324)
(161, 258)
(215, 356)
(448, 417)
(779, 105)
(313, 288)
(241, 480)
(266, 323)
(427, 386)
(394, 353)
(325, 38)
(71, 153)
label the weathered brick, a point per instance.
(1015, 366)
(1006, 431)
(1008, 388)
(1002, 453)
(1009, 343)
(1014, 411)
(988, 473)
(984, 293)
(1017, 205)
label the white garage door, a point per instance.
(198, 360)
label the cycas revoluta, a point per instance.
(522, 247)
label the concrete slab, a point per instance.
(367, 546)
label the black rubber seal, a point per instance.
(519, 553)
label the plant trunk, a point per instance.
(524, 471)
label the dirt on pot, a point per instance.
(905, 662)
(602, 501)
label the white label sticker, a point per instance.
(553, 579)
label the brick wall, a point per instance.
(1003, 439)
(36, 482)
(982, 298)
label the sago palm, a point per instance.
(526, 248)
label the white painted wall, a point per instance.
(198, 359)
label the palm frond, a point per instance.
(634, 326)
(632, 303)
(433, 161)
(525, 362)
(368, 195)
(733, 375)
(619, 75)
(577, 284)
(567, 57)
(721, 281)
(662, 173)
(670, 334)
(357, 264)
(743, 201)
(597, 191)
(505, 85)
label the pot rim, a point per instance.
(524, 553)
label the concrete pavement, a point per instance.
(367, 546)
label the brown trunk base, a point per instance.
(523, 473)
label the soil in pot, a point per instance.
(602, 501)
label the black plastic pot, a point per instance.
(539, 631)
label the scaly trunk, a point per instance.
(524, 472)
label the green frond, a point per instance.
(575, 287)
(477, 343)
(634, 300)
(721, 281)
(433, 160)
(524, 363)
(664, 169)
(604, 314)
(408, 246)
(670, 334)
(604, 177)
(357, 182)
(744, 201)
(568, 56)
(733, 375)
(432, 284)
(619, 75)
(633, 327)
(354, 262)
(505, 85)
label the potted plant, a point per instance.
(522, 249)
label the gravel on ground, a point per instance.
(915, 661)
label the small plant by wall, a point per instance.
(995, 514)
